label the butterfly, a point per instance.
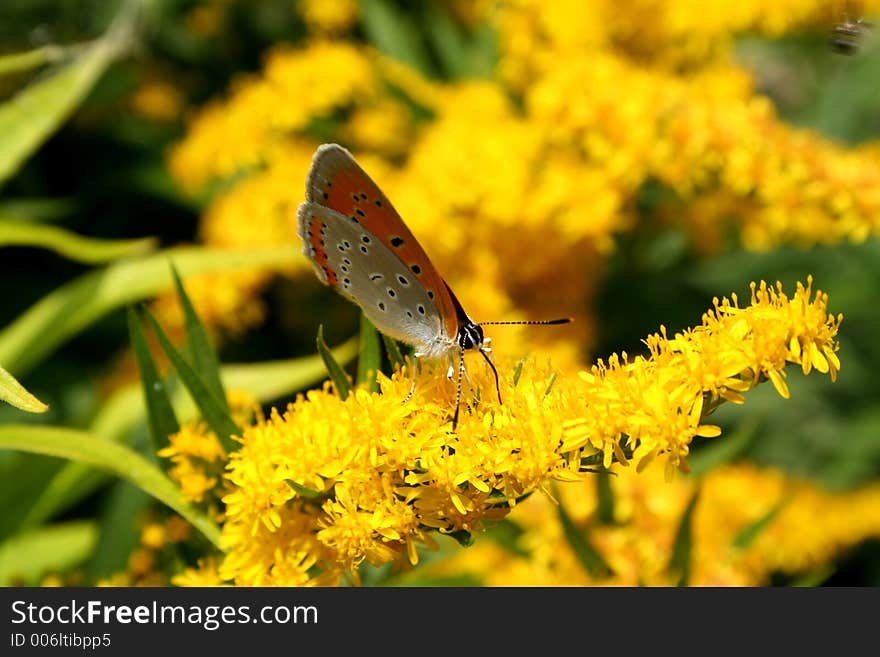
(359, 245)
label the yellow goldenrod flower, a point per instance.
(296, 85)
(197, 458)
(332, 483)
(804, 527)
(154, 536)
(328, 16)
(205, 574)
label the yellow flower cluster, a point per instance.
(328, 16)
(332, 483)
(658, 402)
(296, 86)
(749, 523)
(196, 456)
(532, 187)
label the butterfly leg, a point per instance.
(461, 372)
(412, 388)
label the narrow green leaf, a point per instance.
(369, 357)
(517, 371)
(212, 410)
(463, 537)
(815, 577)
(750, 532)
(34, 210)
(337, 374)
(274, 379)
(118, 534)
(18, 62)
(605, 497)
(118, 459)
(577, 539)
(680, 562)
(12, 392)
(447, 41)
(57, 317)
(204, 357)
(32, 115)
(394, 33)
(63, 242)
(160, 415)
(26, 557)
(125, 409)
(395, 356)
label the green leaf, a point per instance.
(118, 533)
(448, 42)
(550, 383)
(117, 459)
(815, 577)
(680, 562)
(337, 374)
(394, 33)
(370, 357)
(204, 357)
(577, 539)
(34, 210)
(32, 115)
(213, 411)
(750, 532)
(63, 313)
(12, 392)
(310, 494)
(63, 242)
(517, 371)
(463, 537)
(125, 409)
(605, 497)
(160, 415)
(26, 557)
(395, 356)
(23, 61)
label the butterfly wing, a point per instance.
(364, 270)
(337, 182)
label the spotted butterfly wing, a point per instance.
(359, 245)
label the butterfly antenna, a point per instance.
(545, 322)
(495, 372)
(458, 388)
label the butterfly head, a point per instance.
(470, 336)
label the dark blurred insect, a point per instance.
(848, 34)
